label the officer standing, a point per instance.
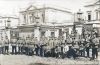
(32, 45)
(14, 45)
(27, 42)
(19, 43)
(95, 44)
(36, 46)
(1, 45)
(6, 45)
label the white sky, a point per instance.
(12, 7)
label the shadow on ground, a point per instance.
(38, 64)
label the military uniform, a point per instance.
(27, 43)
(95, 47)
(20, 44)
(1, 46)
(32, 45)
(6, 46)
(14, 45)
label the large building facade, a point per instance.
(45, 22)
(8, 26)
(92, 16)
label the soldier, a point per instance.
(95, 44)
(1, 45)
(41, 46)
(6, 45)
(20, 44)
(87, 44)
(23, 46)
(14, 45)
(27, 42)
(32, 45)
(36, 46)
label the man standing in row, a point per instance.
(6, 45)
(14, 45)
(95, 43)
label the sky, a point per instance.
(13, 7)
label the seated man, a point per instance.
(71, 53)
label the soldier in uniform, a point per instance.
(95, 43)
(32, 45)
(41, 47)
(27, 42)
(1, 45)
(14, 45)
(20, 44)
(23, 46)
(36, 46)
(87, 44)
(6, 45)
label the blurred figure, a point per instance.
(36, 46)
(95, 43)
(1, 45)
(72, 53)
(27, 43)
(14, 45)
(6, 45)
(20, 44)
(87, 49)
(81, 50)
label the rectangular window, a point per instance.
(42, 34)
(60, 32)
(89, 17)
(52, 34)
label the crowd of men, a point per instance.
(52, 47)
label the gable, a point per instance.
(96, 3)
(31, 7)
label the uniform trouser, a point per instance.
(87, 51)
(53, 52)
(37, 50)
(41, 51)
(23, 49)
(0, 50)
(94, 53)
(26, 50)
(14, 50)
(20, 49)
(82, 52)
(6, 49)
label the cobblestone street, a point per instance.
(30, 60)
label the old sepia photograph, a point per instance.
(49, 32)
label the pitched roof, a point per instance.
(93, 4)
(31, 8)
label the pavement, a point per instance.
(32, 60)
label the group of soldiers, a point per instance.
(54, 47)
